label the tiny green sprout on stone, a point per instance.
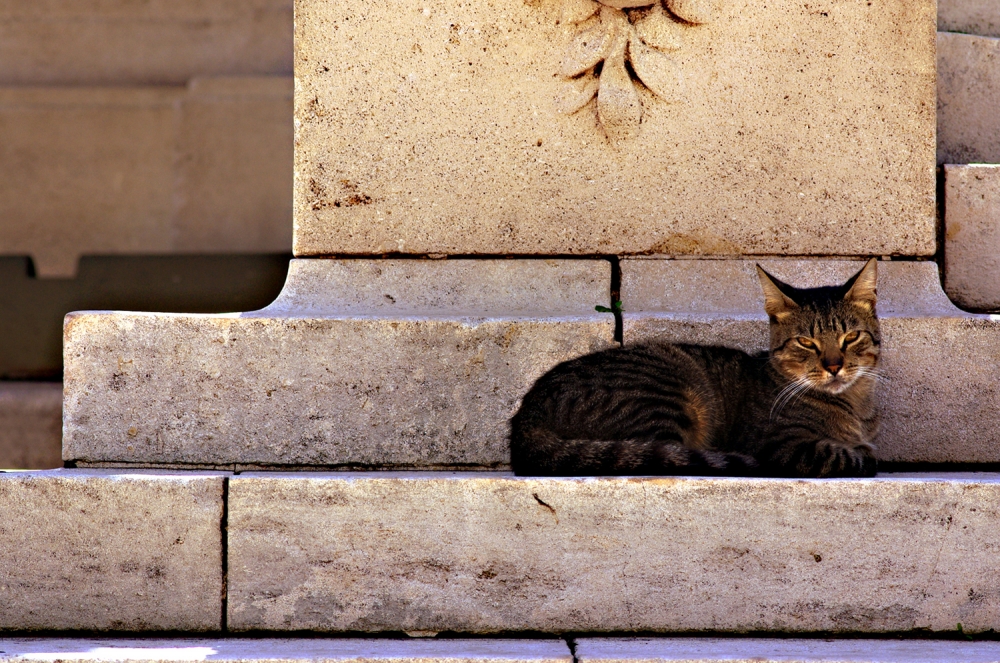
(616, 307)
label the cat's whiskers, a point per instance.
(790, 391)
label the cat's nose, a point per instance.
(833, 365)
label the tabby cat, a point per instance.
(805, 409)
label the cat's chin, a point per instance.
(837, 385)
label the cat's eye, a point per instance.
(850, 337)
(806, 342)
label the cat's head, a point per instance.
(825, 337)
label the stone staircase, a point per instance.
(201, 497)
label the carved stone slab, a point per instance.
(483, 552)
(358, 362)
(939, 398)
(629, 127)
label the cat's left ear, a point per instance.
(777, 304)
(861, 287)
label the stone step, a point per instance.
(119, 42)
(972, 236)
(588, 650)
(939, 400)
(404, 364)
(30, 425)
(488, 553)
(974, 17)
(197, 650)
(968, 94)
(96, 550)
(699, 650)
(204, 168)
(358, 362)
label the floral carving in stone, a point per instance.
(612, 34)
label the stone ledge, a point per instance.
(30, 425)
(968, 96)
(486, 553)
(940, 397)
(711, 650)
(110, 551)
(117, 42)
(359, 362)
(972, 236)
(197, 650)
(145, 170)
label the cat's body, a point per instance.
(805, 409)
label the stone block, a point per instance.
(30, 425)
(145, 170)
(747, 128)
(968, 96)
(706, 650)
(358, 362)
(99, 550)
(235, 172)
(972, 236)
(484, 553)
(939, 400)
(120, 42)
(197, 650)
(974, 17)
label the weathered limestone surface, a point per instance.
(145, 170)
(359, 362)
(435, 127)
(705, 650)
(30, 425)
(99, 550)
(482, 553)
(196, 650)
(940, 397)
(974, 17)
(972, 236)
(968, 96)
(120, 42)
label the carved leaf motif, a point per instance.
(586, 50)
(656, 70)
(618, 104)
(658, 30)
(575, 11)
(571, 98)
(692, 11)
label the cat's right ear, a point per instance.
(777, 304)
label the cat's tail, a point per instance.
(537, 451)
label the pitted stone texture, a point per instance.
(483, 553)
(120, 42)
(712, 650)
(968, 96)
(359, 650)
(972, 236)
(974, 17)
(358, 362)
(145, 170)
(939, 400)
(30, 425)
(98, 550)
(432, 127)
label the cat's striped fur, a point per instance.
(805, 409)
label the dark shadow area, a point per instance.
(32, 309)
